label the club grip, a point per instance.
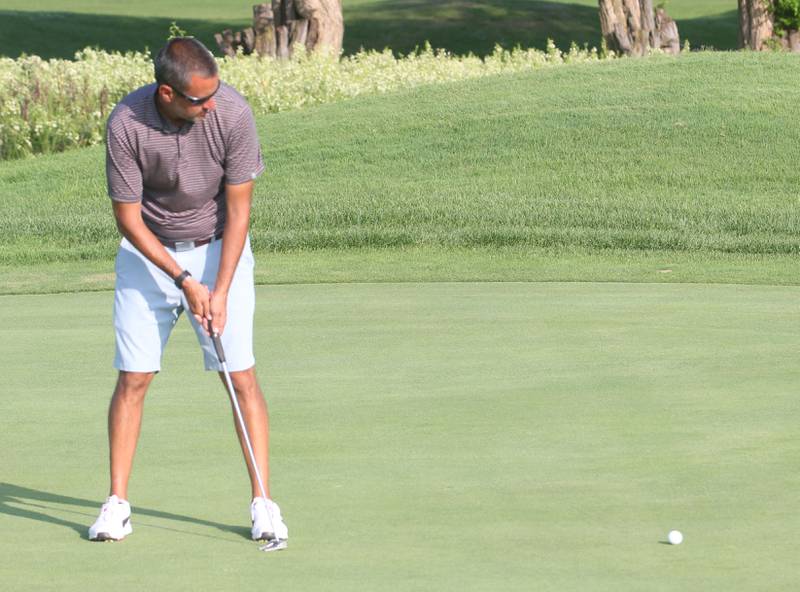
(218, 346)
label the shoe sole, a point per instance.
(105, 537)
(275, 545)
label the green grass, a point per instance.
(465, 436)
(425, 437)
(408, 265)
(601, 158)
(610, 155)
(54, 28)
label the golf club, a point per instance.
(275, 544)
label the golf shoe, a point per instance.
(114, 522)
(267, 520)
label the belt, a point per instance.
(189, 245)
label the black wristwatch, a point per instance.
(179, 280)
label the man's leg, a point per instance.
(237, 341)
(254, 411)
(146, 305)
(124, 424)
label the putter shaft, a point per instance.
(276, 544)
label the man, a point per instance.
(181, 158)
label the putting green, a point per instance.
(495, 436)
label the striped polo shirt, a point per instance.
(179, 173)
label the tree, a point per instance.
(325, 22)
(633, 27)
(767, 24)
(281, 25)
(755, 23)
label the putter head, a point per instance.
(274, 545)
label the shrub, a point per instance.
(787, 15)
(51, 105)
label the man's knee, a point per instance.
(132, 386)
(246, 385)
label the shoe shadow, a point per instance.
(33, 504)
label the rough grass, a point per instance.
(52, 28)
(626, 156)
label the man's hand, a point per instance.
(219, 311)
(199, 299)
(237, 221)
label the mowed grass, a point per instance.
(689, 155)
(54, 28)
(425, 437)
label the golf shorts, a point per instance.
(147, 304)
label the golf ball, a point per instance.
(675, 537)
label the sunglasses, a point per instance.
(196, 100)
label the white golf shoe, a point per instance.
(114, 522)
(267, 521)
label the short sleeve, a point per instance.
(243, 161)
(123, 174)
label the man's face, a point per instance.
(192, 103)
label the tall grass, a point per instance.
(50, 105)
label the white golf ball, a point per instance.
(675, 537)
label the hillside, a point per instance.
(694, 154)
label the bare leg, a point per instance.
(254, 411)
(124, 424)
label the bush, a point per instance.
(51, 105)
(787, 15)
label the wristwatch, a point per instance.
(179, 280)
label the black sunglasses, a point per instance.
(196, 100)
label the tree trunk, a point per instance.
(668, 38)
(632, 27)
(225, 42)
(264, 27)
(755, 23)
(757, 28)
(316, 24)
(280, 25)
(326, 25)
(791, 41)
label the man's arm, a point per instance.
(132, 227)
(238, 199)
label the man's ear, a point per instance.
(165, 93)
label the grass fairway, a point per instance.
(426, 437)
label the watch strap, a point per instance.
(179, 280)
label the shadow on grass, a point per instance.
(719, 31)
(61, 34)
(460, 26)
(33, 504)
(463, 27)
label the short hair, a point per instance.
(180, 59)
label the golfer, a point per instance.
(181, 158)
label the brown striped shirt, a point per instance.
(179, 173)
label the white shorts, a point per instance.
(147, 304)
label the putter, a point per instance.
(275, 544)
